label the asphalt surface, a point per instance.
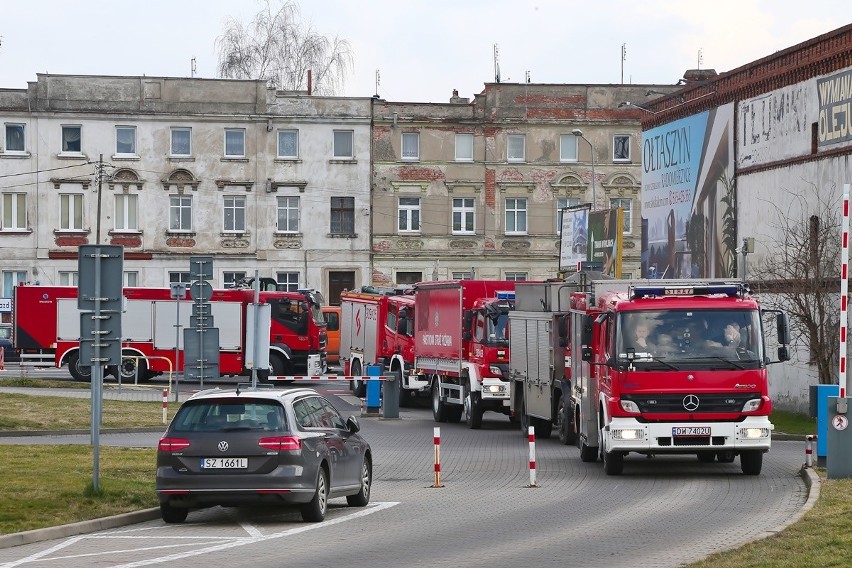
(661, 512)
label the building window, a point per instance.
(12, 278)
(288, 144)
(235, 142)
(343, 215)
(410, 146)
(125, 140)
(563, 203)
(621, 148)
(464, 147)
(15, 141)
(288, 281)
(180, 213)
(179, 278)
(181, 141)
(288, 214)
(71, 139)
(230, 279)
(516, 216)
(568, 148)
(125, 212)
(235, 214)
(409, 277)
(462, 276)
(343, 144)
(463, 216)
(68, 278)
(14, 211)
(626, 204)
(131, 279)
(409, 214)
(516, 147)
(516, 276)
(71, 212)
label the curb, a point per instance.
(82, 527)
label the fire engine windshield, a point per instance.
(686, 338)
(295, 314)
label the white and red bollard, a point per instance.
(809, 450)
(531, 434)
(436, 437)
(165, 405)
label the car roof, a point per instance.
(276, 394)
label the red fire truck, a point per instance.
(377, 328)
(672, 367)
(461, 346)
(47, 321)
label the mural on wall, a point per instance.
(592, 236)
(835, 108)
(689, 197)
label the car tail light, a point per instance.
(281, 443)
(172, 444)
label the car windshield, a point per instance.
(229, 415)
(725, 339)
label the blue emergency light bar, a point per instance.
(731, 290)
(505, 295)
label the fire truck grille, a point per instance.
(691, 441)
(690, 402)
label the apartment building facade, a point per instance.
(477, 188)
(260, 179)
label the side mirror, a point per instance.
(783, 353)
(586, 336)
(467, 322)
(783, 329)
(563, 327)
(352, 424)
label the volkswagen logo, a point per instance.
(690, 403)
(223, 445)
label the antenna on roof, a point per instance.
(192, 67)
(496, 64)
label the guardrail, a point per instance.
(36, 360)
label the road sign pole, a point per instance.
(97, 371)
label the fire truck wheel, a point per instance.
(543, 428)
(403, 396)
(524, 418)
(613, 462)
(359, 388)
(751, 462)
(80, 373)
(280, 366)
(473, 409)
(706, 457)
(564, 425)
(440, 410)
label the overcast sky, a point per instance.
(423, 49)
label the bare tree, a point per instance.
(278, 47)
(803, 271)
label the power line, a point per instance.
(45, 171)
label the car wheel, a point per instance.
(361, 498)
(472, 409)
(564, 425)
(439, 407)
(314, 511)
(79, 372)
(173, 514)
(751, 462)
(359, 387)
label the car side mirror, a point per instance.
(352, 424)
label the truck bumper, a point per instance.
(630, 435)
(495, 391)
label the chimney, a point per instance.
(456, 99)
(310, 86)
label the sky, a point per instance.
(421, 49)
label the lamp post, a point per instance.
(579, 134)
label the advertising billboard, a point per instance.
(594, 236)
(689, 197)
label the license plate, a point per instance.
(690, 430)
(224, 463)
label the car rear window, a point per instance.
(223, 415)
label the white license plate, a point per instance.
(690, 430)
(224, 463)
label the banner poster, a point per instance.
(573, 245)
(606, 229)
(689, 198)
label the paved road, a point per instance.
(664, 511)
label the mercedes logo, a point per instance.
(223, 445)
(690, 402)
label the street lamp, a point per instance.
(579, 134)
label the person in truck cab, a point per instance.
(641, 341)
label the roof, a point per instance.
(282, 395)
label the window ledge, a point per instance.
(225, 234)
(14, 232)
(126, 157)
(125, 232)
(70, 232)
(15, 155)
(71, 156)
(343, 161)
(181, 159)
(284, 235)
(342, 235)
(172, 233)
(283, 160)
(241, 159)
